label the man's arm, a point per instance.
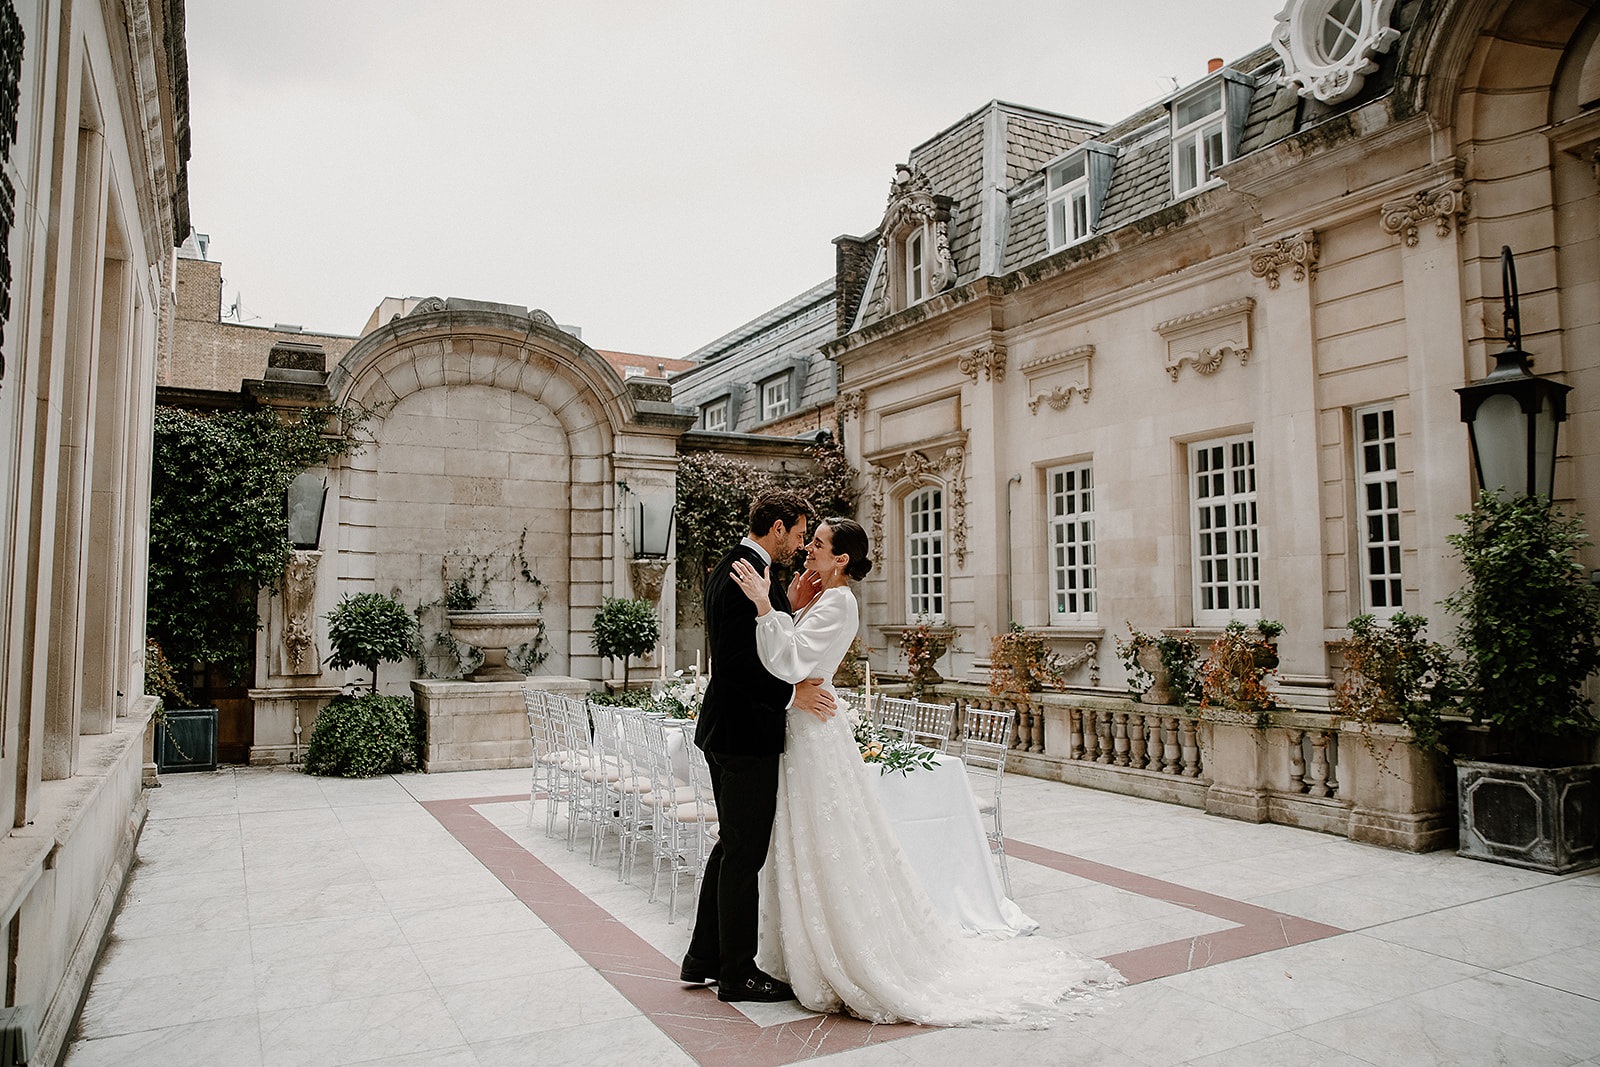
(810, 695)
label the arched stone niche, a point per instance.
(488, 421)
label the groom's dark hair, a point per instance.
(777, 505)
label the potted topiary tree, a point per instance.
(358, 736)
(368, 629)
(1530, 637)
(625, 628)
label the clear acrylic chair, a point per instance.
(576, 773)
(546, 754)
(612, 779)
(926, 724)
(705, 812)
(985, 741)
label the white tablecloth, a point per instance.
(936, 818)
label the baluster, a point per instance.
(1102, 737)
(1190, 747)
(1297, 762)
(1035, 728)
(1119, 737)
(1169, 745)
(1136, 741)
(1333, 763)
(1317, 785)
(1075, 733)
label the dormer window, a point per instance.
(916, 267)
(777, 397)
(1075, 187)
(1199, 145)
(1206, 124)
(714, 416)
(916, 242)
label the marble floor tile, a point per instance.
(306, 903)
(1343, 903)
(131, 959)
(1465, 933)
(1521, 1010)
(289, 981)
(625, 1041)
(381, 1028)
(235, 1042)
(529, 1004)
(500, 956)
(1408, 1033)
(349, 934)
(144, 916)
(1063, 1043)
(170, 1000)
(467, 885)
(450, 922)
(1575, 970)
(1189, 1026)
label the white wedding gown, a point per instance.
(844, 918)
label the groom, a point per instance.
(741, 730)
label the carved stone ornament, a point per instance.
(428, 306)
(914, 205)
(648, 576)
(990, 358)
(918, 468)
(1327, 46)
(1440, 206)
(299, 614)
(542, 317)
(850, 404)
(1203, 339)
(1059, 378)
(1299, 251)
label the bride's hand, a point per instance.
(803, 588)
(755, 584)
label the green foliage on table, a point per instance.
(1530, 623)
(364, 736)
(625, 627)
(370, 628)
(891, 752)
(218, 533)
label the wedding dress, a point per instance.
(844, 918)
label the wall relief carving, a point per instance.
(299, 614)
(945, 465)
(1205, 338)
(989, 357)
(1442, 205)
(850, 404)
(1058, 378)
(1299, 252)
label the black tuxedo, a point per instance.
(741, 729)
(743, 710)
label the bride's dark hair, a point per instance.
(849, 539)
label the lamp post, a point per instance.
(1513, 414)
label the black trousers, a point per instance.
(746, 788)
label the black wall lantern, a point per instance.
(1512, 415)
(652, 526)
(303, 505)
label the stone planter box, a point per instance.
(481, 725)
(1542, 818)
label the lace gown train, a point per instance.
(843, 916)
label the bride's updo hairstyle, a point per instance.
(849, 539)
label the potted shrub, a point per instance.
(1529, 635)
(624, 628)
(1394, 675)
(368, 629)
(1160, 667)
(1021, 663)
(1234, 675)
(365, 736)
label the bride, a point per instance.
(843, 916)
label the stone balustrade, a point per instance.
(1298, 768)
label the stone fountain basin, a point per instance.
(494, 629)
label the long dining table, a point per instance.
(935, 816)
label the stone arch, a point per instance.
(486, 422)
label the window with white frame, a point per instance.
(1073, 590)
(1067, 203)
(1378, 487)
(916, 261)
(777, 397)
(1199, 141)
(1226, 542)
(925, 555)
(714, 416)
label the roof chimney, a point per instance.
(1213, 65)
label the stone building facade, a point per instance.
(1199, 364)
(94, 134)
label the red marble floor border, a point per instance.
(717, 1034)
(713, 1033)
(1258, 929)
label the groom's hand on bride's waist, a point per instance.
(810, 696)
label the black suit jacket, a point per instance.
(744, 707)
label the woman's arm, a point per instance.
(795, 651)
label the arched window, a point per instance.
(925, 555)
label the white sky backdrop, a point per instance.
(656, 172)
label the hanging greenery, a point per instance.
(714, 495)
(472, 581)
(218, 534)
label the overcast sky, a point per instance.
(656, 172)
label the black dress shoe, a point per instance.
(697, 972)
(757, 985)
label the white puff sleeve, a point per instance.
(812, 646)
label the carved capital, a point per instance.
(1442, 205)
(850, 404)
(990, 358)
(1299, 251)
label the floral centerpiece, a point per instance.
(892, 752)
(682, 696)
